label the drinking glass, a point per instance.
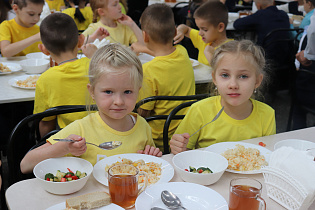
(124, 186)
(245, 194)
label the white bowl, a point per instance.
(37, 55)
(199, 158)
(34, 66)
(53, 164)
(296, 144)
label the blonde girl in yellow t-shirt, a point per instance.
(237, 73)
(115, 75)
(108, 14)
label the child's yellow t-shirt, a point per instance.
(96, 131)
(86, 12)
(170, 75)
(63, 85)
(201, 45)
(122, 33)
(55, 4)
(13, 32)
(261, 122)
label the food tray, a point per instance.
(284, 189)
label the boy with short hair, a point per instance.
(211, 18)
(20, 35)
(170, 73)
(66, 83)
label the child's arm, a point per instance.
(100, 34)
(140, 48)
(150, 150)
(33, 157)
(9, 49)
(89, 50)
(179, 142)
(126, 20)
(182, 31)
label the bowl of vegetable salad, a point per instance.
(200, 167)
(64, 175)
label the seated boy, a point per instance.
(211, 19)
(66, 83)
(170, 73)
(20, 35)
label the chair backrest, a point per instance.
(26, 135)
(170, 117)
(164, 117)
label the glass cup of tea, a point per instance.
(245, 193)
(123, 182)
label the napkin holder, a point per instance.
(284, 189)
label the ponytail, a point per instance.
(78, 15)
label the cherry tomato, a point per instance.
(262, 144)
(74, 177)
(48, 179)
(63, 180)
(186, 169)
(68, 175)
(200, 171)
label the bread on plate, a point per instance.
(89, 201)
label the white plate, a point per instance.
(194, 62)
(62, 206)
(298, 144)
(193, 196)
(12, 66)
(223, 146)
(14, 80)
(99, 167)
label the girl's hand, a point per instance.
(126, 20)
(100, 34)
(89, 50)
(179, 142)
(76, 148)
(150, 150)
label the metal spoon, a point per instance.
(106, 145)
(171, 200)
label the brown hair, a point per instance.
(158, 21)
(214, 12)
(23, 3)
(96, 4)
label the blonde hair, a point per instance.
(96, 4)
(246, 48)
(113, 59)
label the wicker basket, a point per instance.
(284, 189)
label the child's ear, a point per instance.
(90, 89)
(43, 49)
(213, 78)
(15, 7)
(146, 36)
(81, 40)
(259, 80)
(221, 27)
(100, 11)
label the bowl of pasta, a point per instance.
(34, 66)
(200, 167)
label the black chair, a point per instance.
(135, 9)
(280, 47)
(165, 117)
(307, 87)
(25, 136)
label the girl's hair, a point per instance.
(124, 3)
(96, 4)
(78, 14)
(246, 48)
(115, 59)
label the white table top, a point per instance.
(171, 4)
(28, 194)
(9, 94)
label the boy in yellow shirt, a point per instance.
(211, 19)
(170, 73)
(66, 83)
(20, 35)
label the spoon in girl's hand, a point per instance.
(106, 145)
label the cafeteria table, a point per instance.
(28, 194)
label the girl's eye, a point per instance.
(128, 92)
(243, 76)
(224, 75)
(108, 91)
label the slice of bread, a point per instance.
(89, 201)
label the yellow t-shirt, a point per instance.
(13, 32)
(261, 122)
(96, 131)
(170, 75)
(201, 45)
(63, 85)
(55, 4)
(86, 12)
(122, 33)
